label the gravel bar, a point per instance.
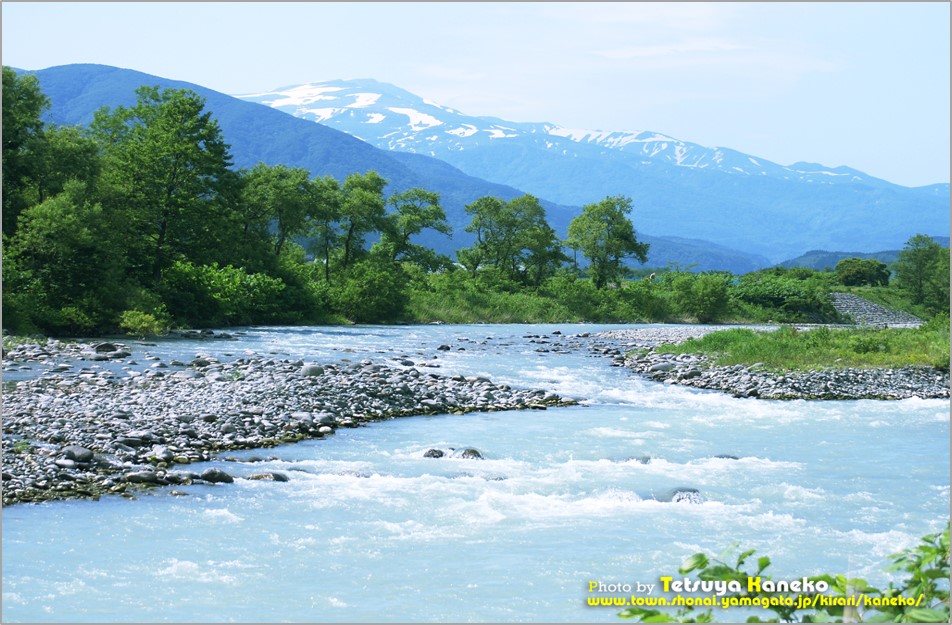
(82, 434)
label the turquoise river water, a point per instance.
(369, 530)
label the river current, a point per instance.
(367, 529)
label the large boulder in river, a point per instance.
(433, 453)
(216, 476)
(680, 494)
(467, 452)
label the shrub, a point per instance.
(203, 295)
(143, 324)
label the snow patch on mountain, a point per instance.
(418, 120)
(363, 100)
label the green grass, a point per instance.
(790, 348)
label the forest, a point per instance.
(139, 223)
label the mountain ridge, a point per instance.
(679, 188)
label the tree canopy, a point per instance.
(605, 236)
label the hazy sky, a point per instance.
(858, 84)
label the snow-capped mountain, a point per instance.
(391, 118)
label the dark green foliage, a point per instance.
(859, 271)
(514, 237)
(68, 264)
(166, 166)
(23, 103)
(786, 297)
(372, 291)
(922, 270)
(415, 210)
(209, 295)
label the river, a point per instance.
(367, 529)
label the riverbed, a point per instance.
(368, 528)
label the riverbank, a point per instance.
(637, 349)
(83, 430)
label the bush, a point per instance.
(702, 296)
(142, 324)
(209, 295)
(371, 291)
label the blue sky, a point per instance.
(858, 84)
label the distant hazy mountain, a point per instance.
(679, 188)
(261, 134)
(821, 259)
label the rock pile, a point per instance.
(865, 312)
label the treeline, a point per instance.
(139, 223)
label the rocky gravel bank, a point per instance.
(636, 350)
(82, 430)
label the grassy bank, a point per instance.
(790, 348)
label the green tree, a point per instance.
(167, 164)
(74, 259)
(415, 210)
(323, 217)
(23, 104)
(605, 236)
(278, 195)
(362, 211)
(514, 237)
(859, 271)
(922, 270)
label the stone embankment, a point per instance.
(865, 312)
(636, 350)
(93, 431)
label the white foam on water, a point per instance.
(223, 515)
(193, 572)
(879, 544)
(609, 432)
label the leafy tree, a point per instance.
(605, 236)
(922, 270)
(514, 237)
(74, 261)
(324, 215)
(415, 210)
(23, 104)
(167, 164)
(859, 271)
(362, 211)
(280, 195)
(927, 586)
